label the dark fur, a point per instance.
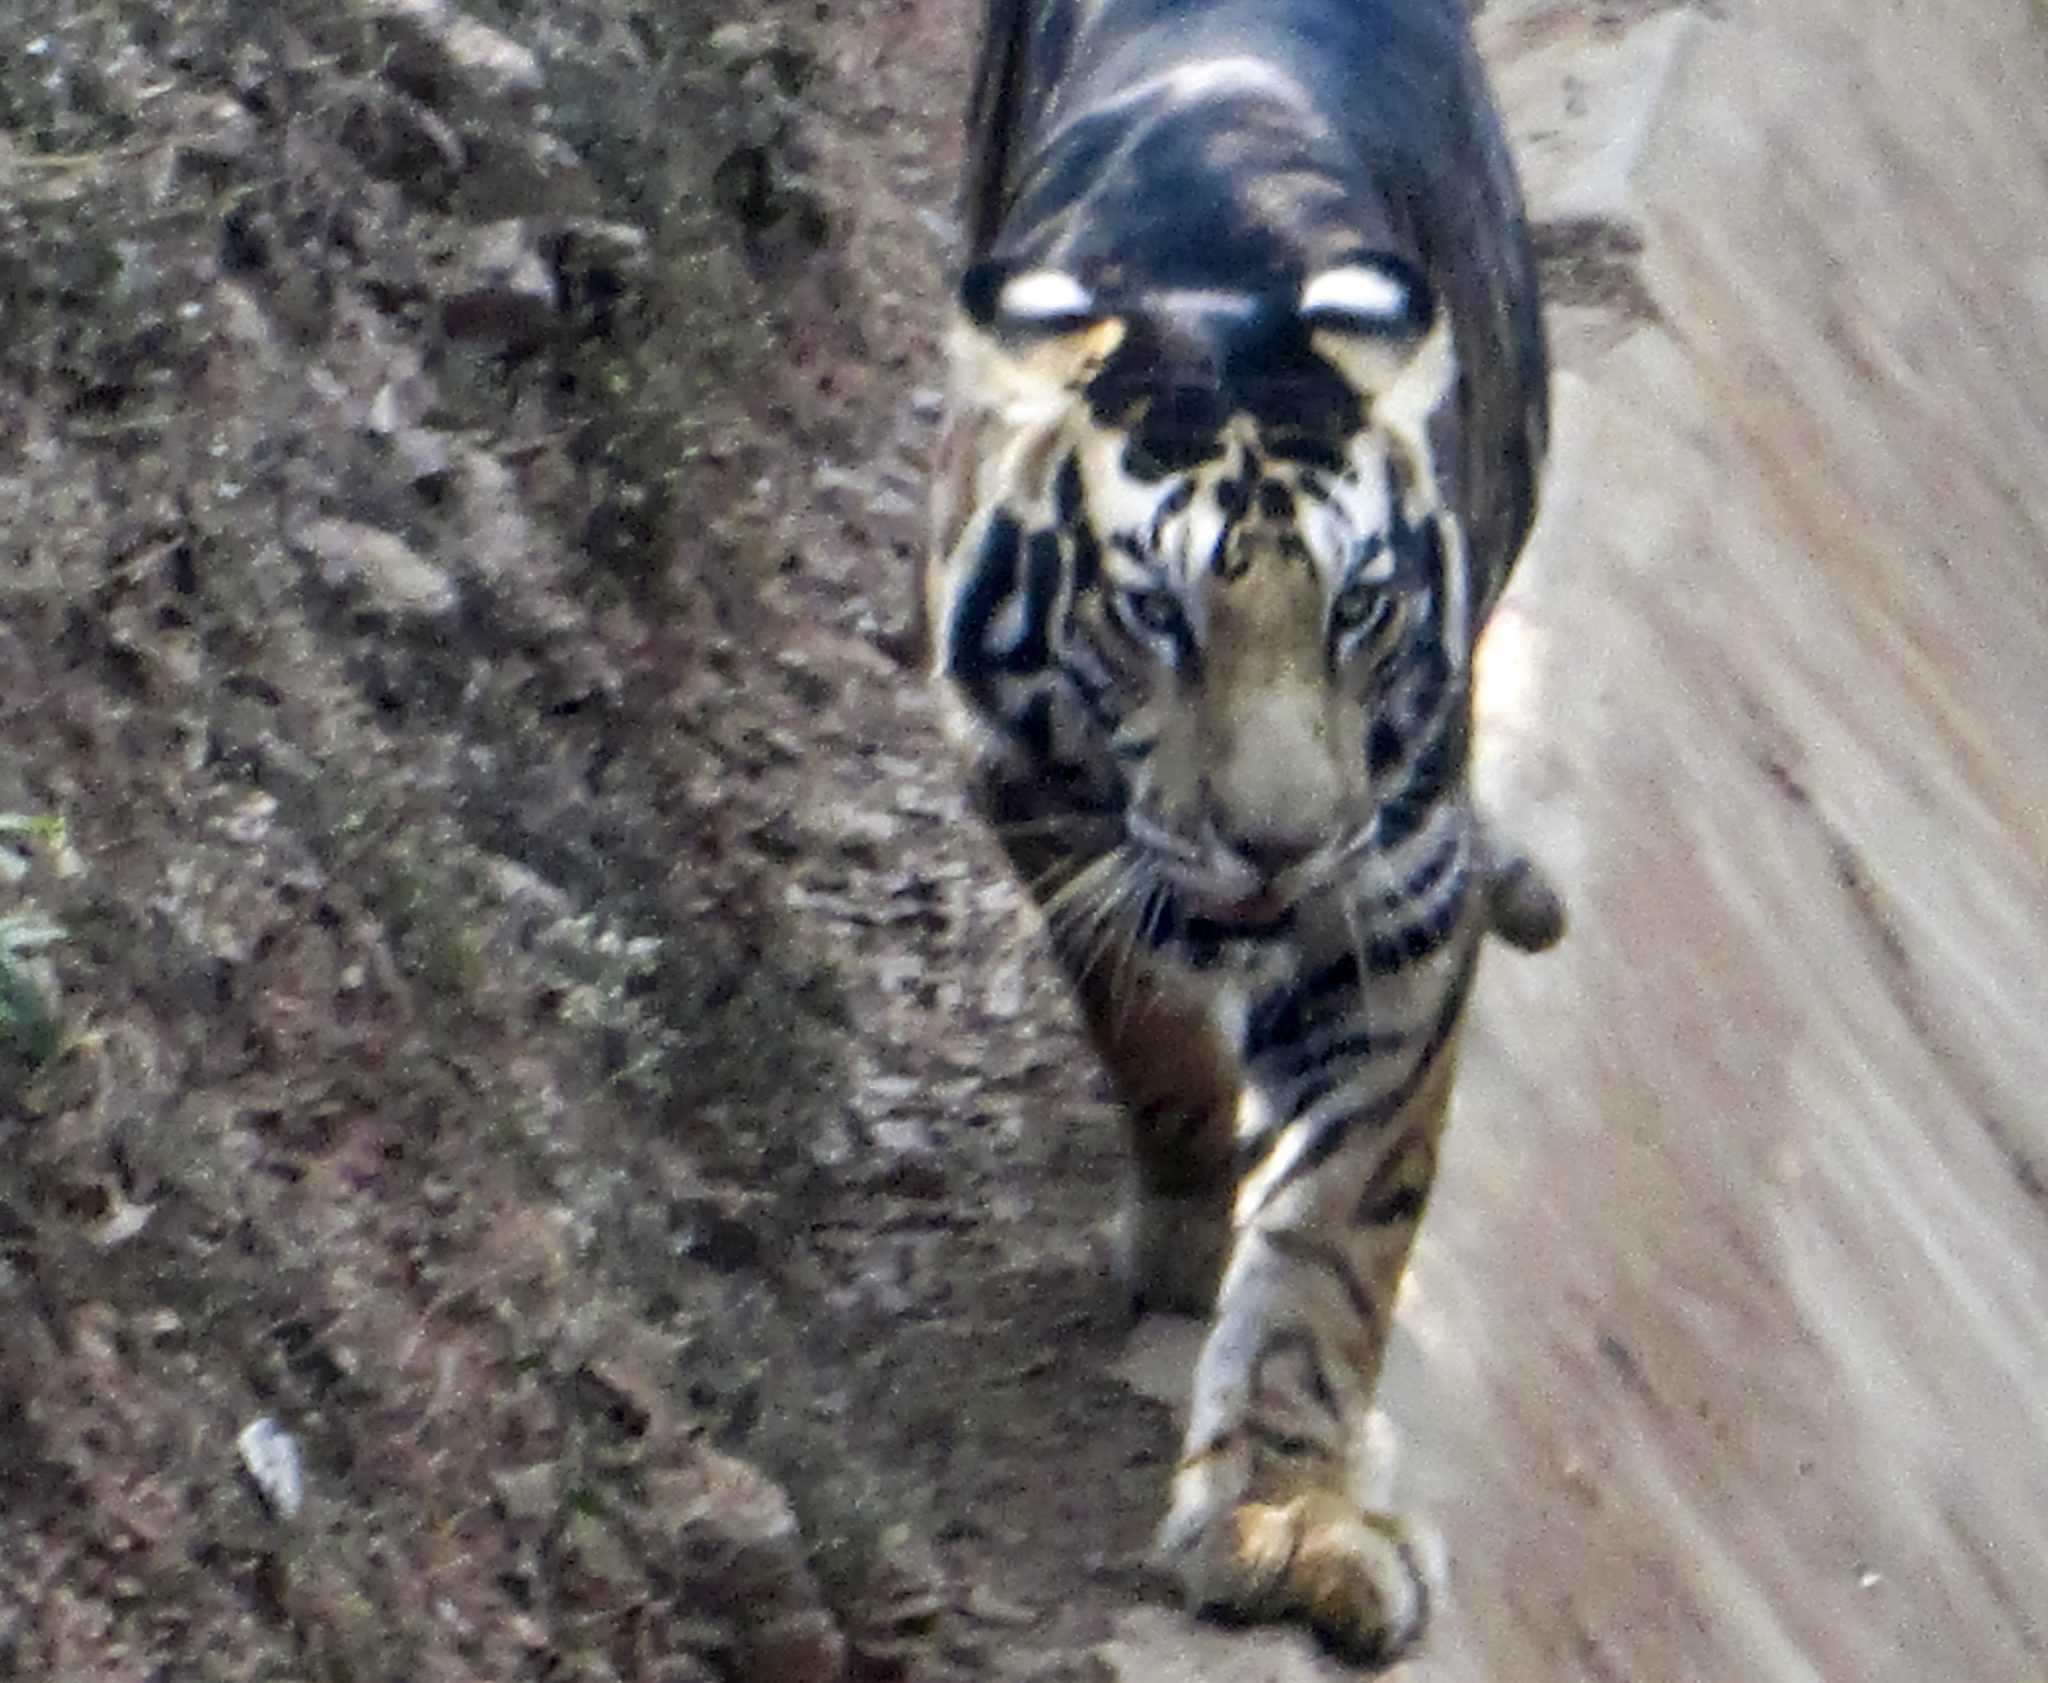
(1403, 157)
(1208, 574)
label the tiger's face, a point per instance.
(1250, 635)
(1252, 630)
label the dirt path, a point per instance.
(1726, 1354)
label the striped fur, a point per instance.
(1248, 408)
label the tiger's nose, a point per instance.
(1271, 848)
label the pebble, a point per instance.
(437, 44)
(271, 1456)
(394, 576)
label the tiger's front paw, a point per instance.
(1362, 1581)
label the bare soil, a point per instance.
(499, 982)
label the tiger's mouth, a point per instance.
(1259, 909)
(1217, 884)
(1220, 888)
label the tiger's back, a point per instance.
(1248, 408)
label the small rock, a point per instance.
(504, 293)
(916, 1174)
(525, 174)
(394, 576)
(732, 1542)
(763, 43)
(406, 142)
(422, 454)
(402, 401)
(710, 1230)
(249, 823)
(438, 50)
(986, 1606)
(585, 249)
(124, 1221)
(271, 1456)
(216, 131)
(596, 1564)
(891, 504)
(242, 320)
(530, 1496)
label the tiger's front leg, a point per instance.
(1275, 1513)
(1177, 1078)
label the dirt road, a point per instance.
(1728, 1347)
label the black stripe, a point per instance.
(1010, 568)
(1311, 1075)
(1166, 921)
(1276, 1442)
(1207, 929)
(1382, 748)
(1033, 726)
(1159, 921)
(1280, 1019)
(1290, 1341)
(1344, 1048)
(1044, 565)
(1066, 493)
(1425, 684)
(1206, 948)
(1285, 1016)
(1399, 819)
(1404, 1203)
(1087, 558)
(1095, 696)
(990, 582)
(1305, 1095)
(1321, 455)
(1320, 1254)
(1413, 942)
(1175, 502)
(1441, 766)
(1436, 775)
(1336, 1129)
(1429, 874)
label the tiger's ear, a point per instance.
(1033, 331)
(1370, 317)
(1003, 296)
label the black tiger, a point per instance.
(1248, 409)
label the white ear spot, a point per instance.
(1357, 298)
(1044, 295)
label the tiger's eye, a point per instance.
(1361, 608)
(1153, 610)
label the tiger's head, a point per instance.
(1194, 554)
